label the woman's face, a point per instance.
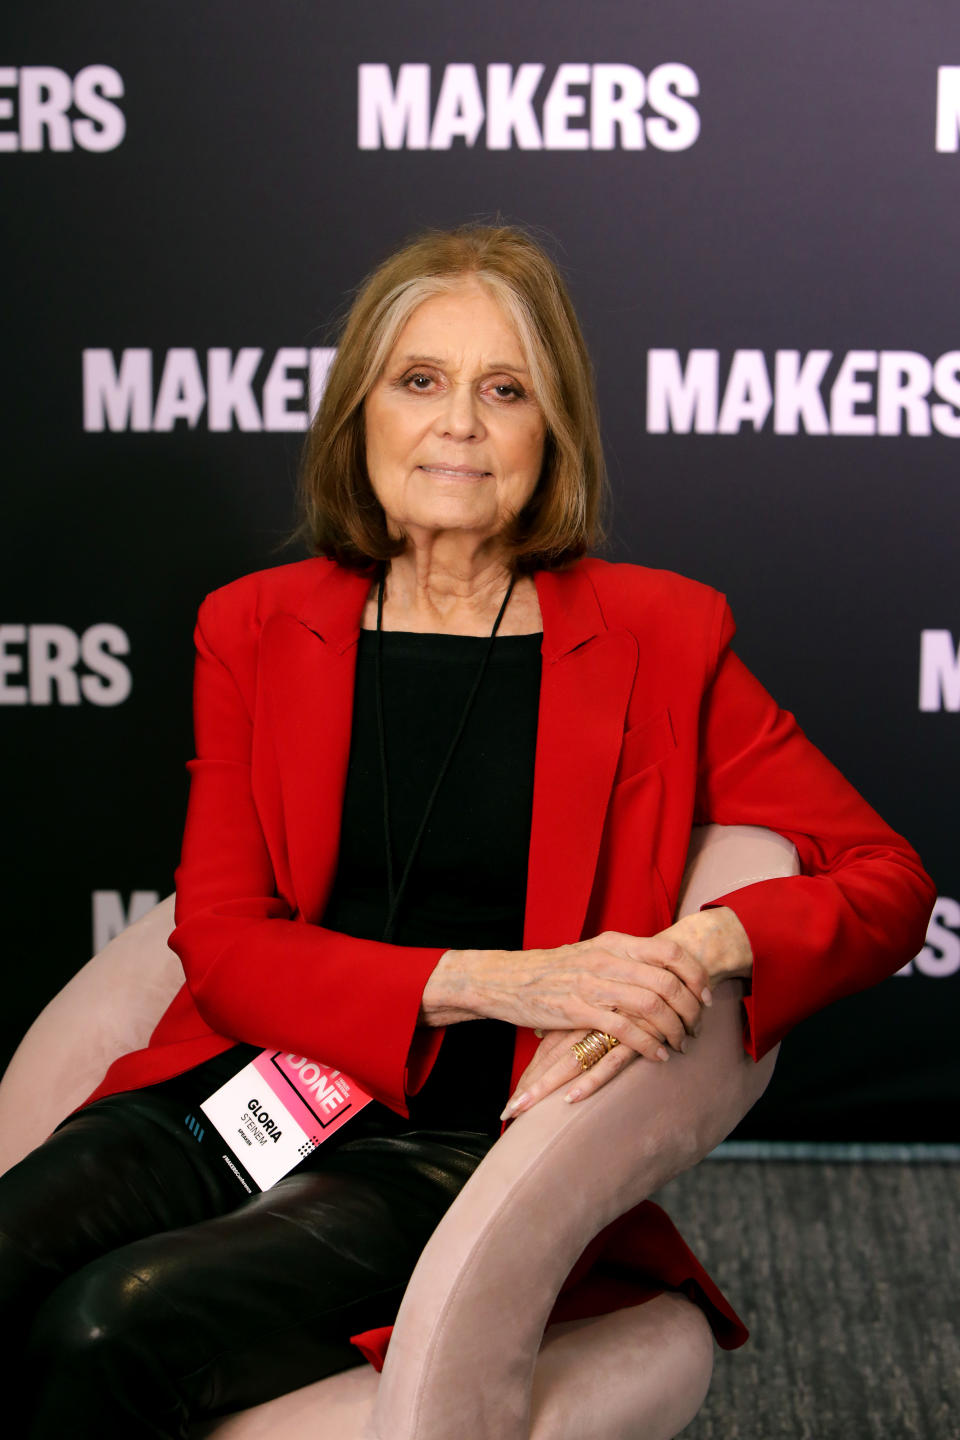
(454, 436)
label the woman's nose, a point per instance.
(460, 414)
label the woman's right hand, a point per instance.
(645, 990)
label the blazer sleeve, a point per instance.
(256, 973)
(859, 908)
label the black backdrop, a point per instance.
(187, 185)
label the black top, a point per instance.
(469, 881)
(468, 885)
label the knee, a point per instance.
(94, 1364)
(87, 1322)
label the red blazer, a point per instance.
(648, 724)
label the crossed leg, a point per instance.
(559, 1175)
(139, 1333)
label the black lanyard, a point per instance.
(395, 895)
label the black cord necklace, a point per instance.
(395, 894)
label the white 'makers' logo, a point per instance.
(112, 915)
(47, 110)
(939, 671)
(948, 109)
(242, 389)
(872, 392)
(57, 665)
(940, 957)
(576, 107)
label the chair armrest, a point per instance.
(109, 1008)
(471, 1322)
(722, 858)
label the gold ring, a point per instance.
(593, 1047)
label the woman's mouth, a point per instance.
(456, 472)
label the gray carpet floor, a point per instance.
(847, 1276)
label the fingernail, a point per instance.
(683, 1047)
(515, 1105)
(663, 1054)
(706, 996)
(573, 1095)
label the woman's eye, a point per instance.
(417, 381)
(420, 383)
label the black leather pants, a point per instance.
(148, 1290)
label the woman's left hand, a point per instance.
(714, 937)
(554, 1064)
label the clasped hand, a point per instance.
(649, 992)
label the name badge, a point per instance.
(278, 1109)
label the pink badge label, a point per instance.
(278, 1109)
(314, 1094)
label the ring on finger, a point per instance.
(593, 1047)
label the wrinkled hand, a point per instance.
(712, 941)
(554, 1064)
(648, 991)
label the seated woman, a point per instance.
(445, 776)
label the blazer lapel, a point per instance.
(308, 668)
(308, 659)
(586, 680)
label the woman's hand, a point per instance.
(554, 1064)
(646, 990)
(715, 938)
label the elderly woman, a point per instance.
(445, 777)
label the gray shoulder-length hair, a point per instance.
(342, 517)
